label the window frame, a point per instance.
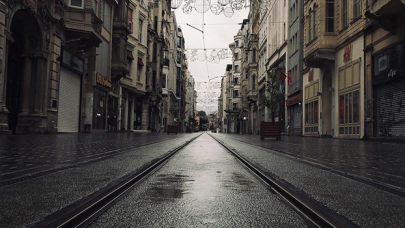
(329, 3)
(345, 16)
(140, 28)
(77, 7)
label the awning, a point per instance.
(140, 63)
(129, 55)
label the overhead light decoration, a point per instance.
(202, 55)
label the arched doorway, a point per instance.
(24, 51)
(327, 103)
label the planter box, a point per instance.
(172, 129)
(270, 130)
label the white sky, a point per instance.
(219, 31)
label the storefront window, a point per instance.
(349, 110)
(349, 99)
(311, 116)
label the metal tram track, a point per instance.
(85, 213)
(303, 206)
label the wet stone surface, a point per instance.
(25, 203)
(26, 154)
(202, 186)
(374, 160)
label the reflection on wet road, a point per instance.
(202, 186)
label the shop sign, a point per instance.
(289, 78)
(347, 55)
(311, 75)
(102, 81)
(382, 63)
(294, 100)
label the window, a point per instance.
(164, 78)
(237, 43)
(107, 16)
(314, 22)
(330, 16)
(344, 14)
(254, 82)
(76, 3)
(254, 55)
(179, 56)
(178, 73)
(246, 56)
(236, 93)
(140, 28)
(94, 6)
(236, 56)
(235, 81)
(179, 42)
(236, 68)
(311, 116)
(349, 99)
(140, 67)
(155, 25)
(357, 9)
(130, 20)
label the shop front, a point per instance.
(112, 109)
(349, 108)
(311, 102)
(389, 91)
(100, 91)
(294, 116)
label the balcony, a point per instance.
(385, 13)
(83, 29)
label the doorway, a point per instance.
(26, 37)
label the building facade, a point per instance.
(334, 78)
(384, 59)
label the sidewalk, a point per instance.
(22, 155)
(379, 161)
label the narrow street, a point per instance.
(202, 185)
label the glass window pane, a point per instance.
(356, 106)
(346, 108)
(306, 114)
(316, 112)
(77, 3)
(341, 130)
(341, 109)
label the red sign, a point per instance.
(316, 111)
(311, 75)
(289, 78)
(347, 55)
(341, 108)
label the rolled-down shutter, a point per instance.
(389, 112)
(69, 101)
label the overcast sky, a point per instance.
(219, 31)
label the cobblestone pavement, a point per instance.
(22, 155)
(382, 162)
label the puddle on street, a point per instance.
(168, 187)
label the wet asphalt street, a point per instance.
(202, 186)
